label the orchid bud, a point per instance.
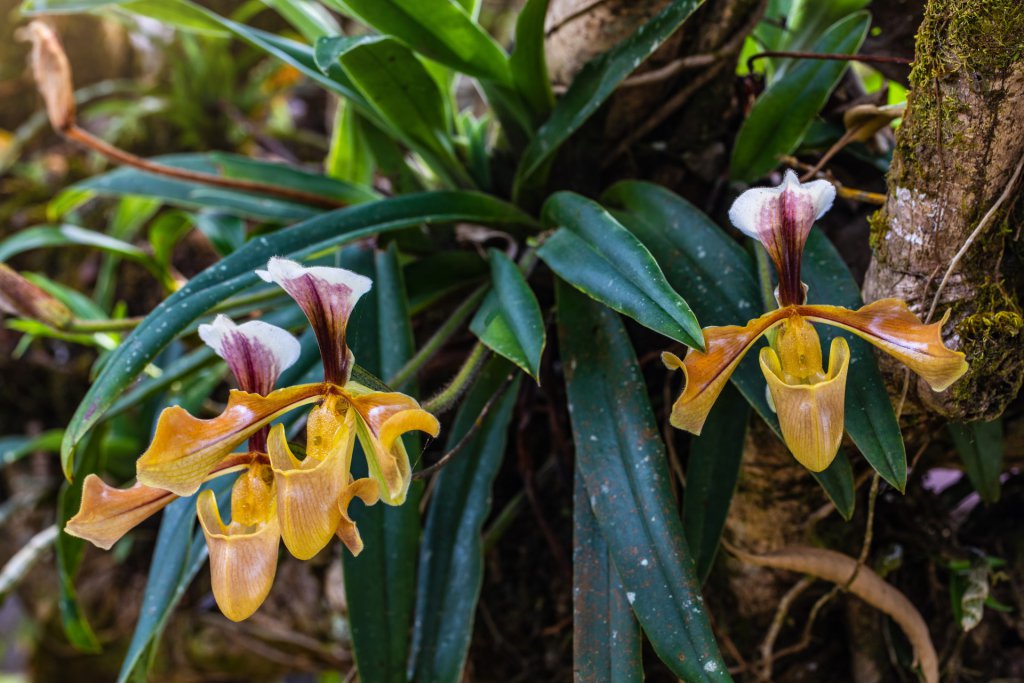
(52, 72)
(20, 297)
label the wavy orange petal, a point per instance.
(382, 418)
(186, 449)
(368, 491)
(707, 372)
(891, 326)
(108, 513)
(811, 415)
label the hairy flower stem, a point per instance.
(446, 399)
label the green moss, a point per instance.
(878, 228)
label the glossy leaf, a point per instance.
(711, 474)
(783, 113)
(440, 29)
(980, 445)
(14, 448)
(808, 20)
(594, 253)
(380, 583)
(625, 469)
(45, 236)
(237, 272)
(509, 321)
(307, 17)
(179, 554)
(528, 63)
(718, 276)
(175, 14)
(451, 552)
(592, 86)
(607, 644)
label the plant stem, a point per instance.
(869, 59)
(445, 399)
(437, 340)
(109, 325)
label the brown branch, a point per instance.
(87, 139)
(869, 59)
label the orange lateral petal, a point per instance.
(707, 372)
(811, 415)
(108, 513)
(307, 490)
(185, 449)
(243, 558)
(368, 491)
(892, 327)
(382, 418)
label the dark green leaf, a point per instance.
(625, 469)
(980, 445)
(528, 63)
(784, 112)
(380, 583)
(718, 276)
(870, 420)
(592, 86)
(439, 29)
(225, 231)
(606, 638)
(711, 474)
(509, 321)
(68, 235)
(14, 448)
(594, 253)
(434, 277)
(179, 555)
(451, 553)
(237, 272)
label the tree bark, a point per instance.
(960, 143)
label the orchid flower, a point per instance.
(808, 399)
(277, 497)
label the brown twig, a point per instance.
(470, 433)
(869, 59)
(87, 139)
(768, 644)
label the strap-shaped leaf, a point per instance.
(606, 644)
(237, 271)
(783, 113)
(440, 29)
(509, 321)
(528, 63)
(380, 583)
(594, 253)
(592, 86)
(711, 474)
(715, 273)
(451, 552)
(980, 445)
(624, 466)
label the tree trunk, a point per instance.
(961, 140)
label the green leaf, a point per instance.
(130, 181)
(439, 29)
(451, 552)
(711, 474)
(607, 644)
(434, 277)
(980, 445)
(398, 87)
(509, 321)
(45, 236)
(595, 254)
(179, 554)
(175, 14)
(782, 114)
(237, 272)
(624, 466)
(14, 448)
(307, 17)
(719, 277)
(350, 157)
(808, 20)
(225, 231)
(528, 63)
(870, 420)
(380, 583)
(592, 86)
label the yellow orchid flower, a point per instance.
(808, 399)
(277, 496)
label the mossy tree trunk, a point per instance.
(961, 140)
